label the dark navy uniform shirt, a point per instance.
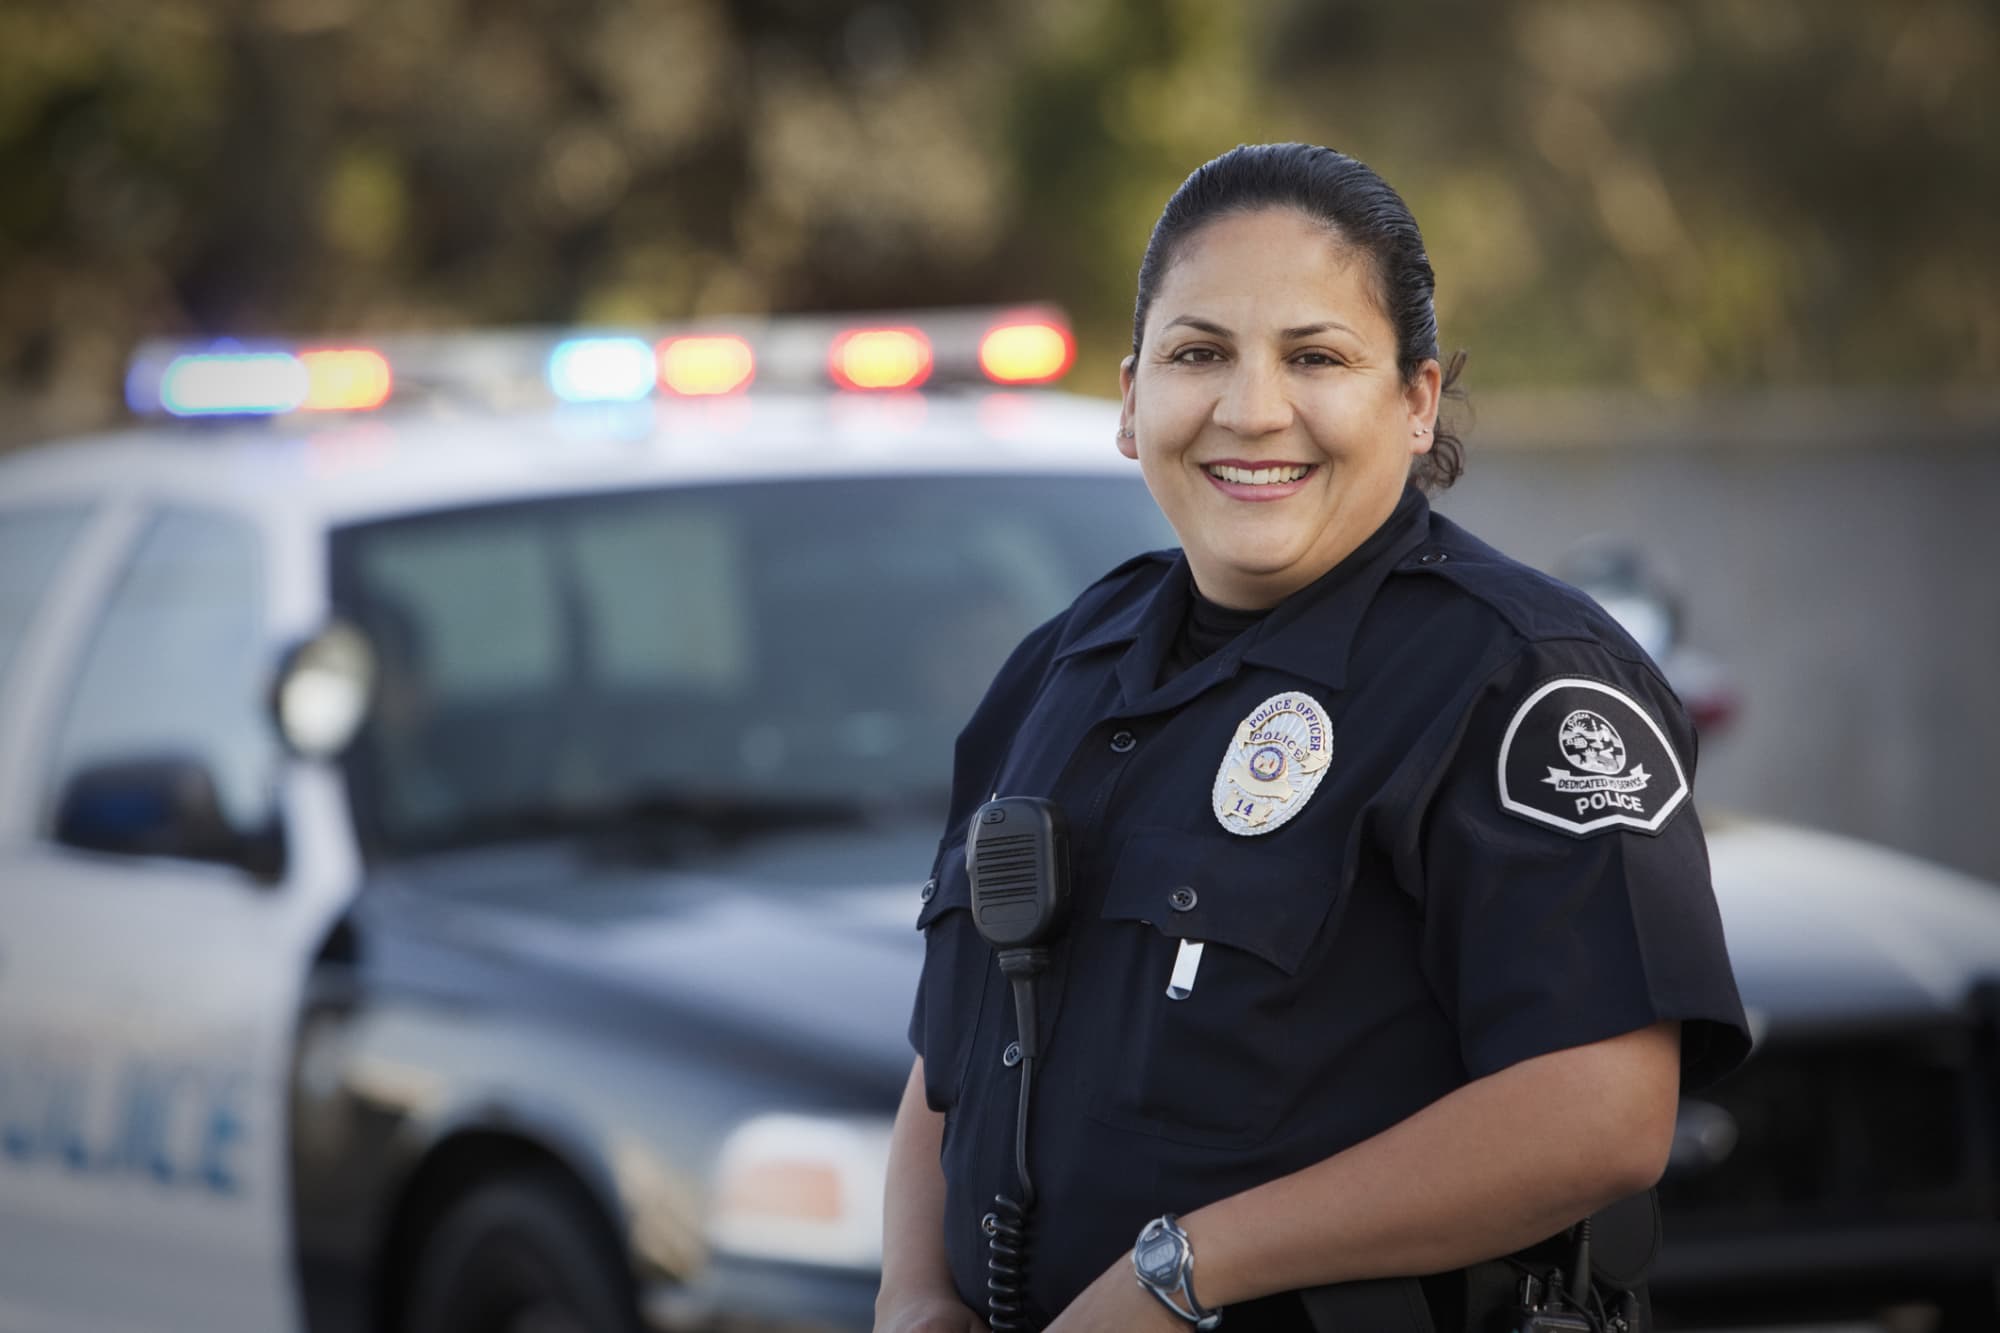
(1429, 817)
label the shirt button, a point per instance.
(1123, 742)
(1012, 1055)
(929, 891)
(1182, 899)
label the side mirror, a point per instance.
(322, 692)
(162, 806)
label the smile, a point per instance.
(1271, 475)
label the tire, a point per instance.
(523, 1253)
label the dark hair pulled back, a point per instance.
(1361, 210)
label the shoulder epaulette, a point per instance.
(1535, 605)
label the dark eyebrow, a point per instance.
(1287, 335)
(1308, 330)
(1195, 322)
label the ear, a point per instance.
(1127, 444)
(1422, 397)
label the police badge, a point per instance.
(1273, 765)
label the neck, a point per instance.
(1238, 591)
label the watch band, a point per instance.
(1163, 1260)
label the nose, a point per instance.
(1253, 402)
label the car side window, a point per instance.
(32, 545)
(176, 667)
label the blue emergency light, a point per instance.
(602, 370)
(234, 384)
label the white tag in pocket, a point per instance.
(1181, 984)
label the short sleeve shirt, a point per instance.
(1430, 817)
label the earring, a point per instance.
(1125, 433)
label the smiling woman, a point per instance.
(1278, 428)
(1367, 973)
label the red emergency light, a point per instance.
(893, 358)
(346, 379)
(1026, 352)
(702, 365)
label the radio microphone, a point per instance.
(1017, 859)
(1017, 856)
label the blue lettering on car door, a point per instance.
(176, 1124)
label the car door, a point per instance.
(147, 1000)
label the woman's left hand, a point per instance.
(1116, 1303)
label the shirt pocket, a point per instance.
(1221, 1066)
(952, 989)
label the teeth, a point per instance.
(1263, 476)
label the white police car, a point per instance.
(460, 802)
(529, 1003)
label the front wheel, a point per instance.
(524, 1253)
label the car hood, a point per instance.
(811, 945)
(745, 956)
(1827, 930)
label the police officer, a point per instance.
(1392, 942)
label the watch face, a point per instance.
(1158, 1254)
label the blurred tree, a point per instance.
(1720, 193)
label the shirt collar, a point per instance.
(1167, 600)
(1308, 634)
(1311, 633)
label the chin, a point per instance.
(1257, 561)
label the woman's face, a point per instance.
(1268, 415)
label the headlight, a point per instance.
(806, 1189)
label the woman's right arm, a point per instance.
(917, 1295)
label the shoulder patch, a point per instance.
(1582, 756)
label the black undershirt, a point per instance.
(1205, 628)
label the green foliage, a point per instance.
(1678, 196)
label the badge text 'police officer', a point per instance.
(1274, 763)
(1582, 757)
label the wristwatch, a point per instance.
(1164, 1261)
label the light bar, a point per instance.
(352, 379)
(207, 384)
(897, 358)
(698, 366)
(1033, 352)
(602, 370)
(518, 369)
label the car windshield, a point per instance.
(746, 656)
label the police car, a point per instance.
(455, 860)
(460, 808)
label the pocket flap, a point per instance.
(954, 886)
(1247, 897)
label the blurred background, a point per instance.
(1725, 269)
(1722, 195)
